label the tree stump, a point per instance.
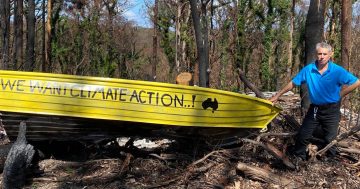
(184, 78)
(18, 161)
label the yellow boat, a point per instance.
(129, 101)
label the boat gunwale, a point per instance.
(54, 76)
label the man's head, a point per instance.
(324, 53)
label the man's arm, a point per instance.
(287, 88)
(348, 89)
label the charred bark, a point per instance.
(18, 161)
(314, 33)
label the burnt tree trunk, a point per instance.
(30, 37)
(346, 17)
(155, 42)
(200, 44)
(18, 26)
(314, 33)
(4, 33)
(18, 161)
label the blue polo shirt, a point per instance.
(325, 88)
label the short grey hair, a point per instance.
(324, 45)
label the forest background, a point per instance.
(269, 41)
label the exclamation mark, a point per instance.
(193, 100)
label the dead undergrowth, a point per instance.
(255, 162)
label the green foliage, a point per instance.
(83, 45)
(337, 49)
(265, 67)
(265, 63)
(165, 28)
(252, 36)
(275, 29)
(60, 47)
(225, 58)
(135, 71)
(240, 42)
(282, 8)
(333, 33)
(241, 36)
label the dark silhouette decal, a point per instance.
(209, 103)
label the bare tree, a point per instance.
(332, 34)
(314, 33)
(290, 45)
(30, 36)
(177, 35)
(182, 17)
(47, 65)
(155, 42)
(110, 6)
(5, 33)
(18, 25)
(200, 45)
(346, 17)
(43, 45)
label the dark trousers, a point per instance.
(326, 118)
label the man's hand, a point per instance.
(287, 88)
(274, 98)
(347, 89)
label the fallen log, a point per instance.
(290, 120)
(189, 171)
(263, 175)
(274, 151)
(349, 144)
(350, 150)
(125, 163)
(251, 86)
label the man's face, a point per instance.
(323, 56)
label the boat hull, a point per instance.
(130, 101)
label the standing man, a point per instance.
(324, 80)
